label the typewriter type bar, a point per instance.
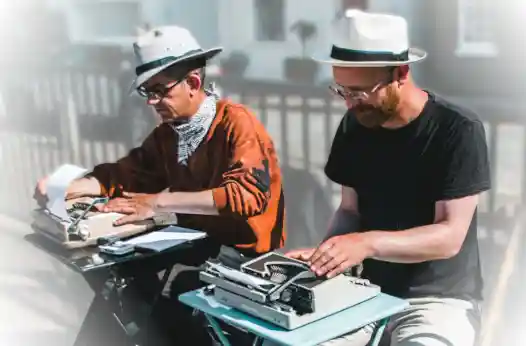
(86, 208)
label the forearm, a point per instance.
(200, 203)
(342, 222)
(83, 187)
(419, 244)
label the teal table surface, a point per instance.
(372, 310)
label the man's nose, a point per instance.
(152, 100)
(351, 102)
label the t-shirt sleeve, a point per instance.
(338, 166)
(465, 165)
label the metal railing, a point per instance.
(85, 116)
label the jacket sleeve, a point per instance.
(245, 190)
(141, 170)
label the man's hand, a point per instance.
(40, 194)
(301, 254)
(340, 253)
(136, 206)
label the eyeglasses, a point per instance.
(348, 94)
(157, 92)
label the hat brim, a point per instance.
(415, 55)
(144, 77)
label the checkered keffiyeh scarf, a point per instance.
(192, 133)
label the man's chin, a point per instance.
(372, 119)
(167, 120)
(165, 117)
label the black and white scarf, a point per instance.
(192, 133)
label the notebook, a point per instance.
(164, 239)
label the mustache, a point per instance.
(366, 108)
(370, 116)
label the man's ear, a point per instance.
(194, 81)
(403, 72)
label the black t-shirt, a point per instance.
(400, 174)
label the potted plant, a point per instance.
(235, 65)
(302, 69)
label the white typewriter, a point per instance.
(77, 223)
(284, 291)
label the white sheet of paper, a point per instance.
(57, 185)
(169, 233)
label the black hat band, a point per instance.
(352, 55)
(163, 61)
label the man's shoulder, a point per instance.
(453, 115)
(231, 111)
(237, 116)
(456, 125)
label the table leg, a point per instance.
(258, 341)
(217, 330)
(119, 282)
(111, 292)
(379, 332)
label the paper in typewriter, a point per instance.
(57, 186)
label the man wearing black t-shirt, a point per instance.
(411, 166)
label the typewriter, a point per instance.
(284, 291)
(77, 223)
(85, 224)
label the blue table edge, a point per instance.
(390, 305)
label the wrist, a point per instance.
(161, 202)
(370, 240)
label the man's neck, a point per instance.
(197, 102)
(193, 108)
(412, 103)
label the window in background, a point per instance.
(476, 28)
(354, 4)
(105, 20)
(269, 20)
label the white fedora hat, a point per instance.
(161, 47)
(374, 40)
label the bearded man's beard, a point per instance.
(375, 116)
